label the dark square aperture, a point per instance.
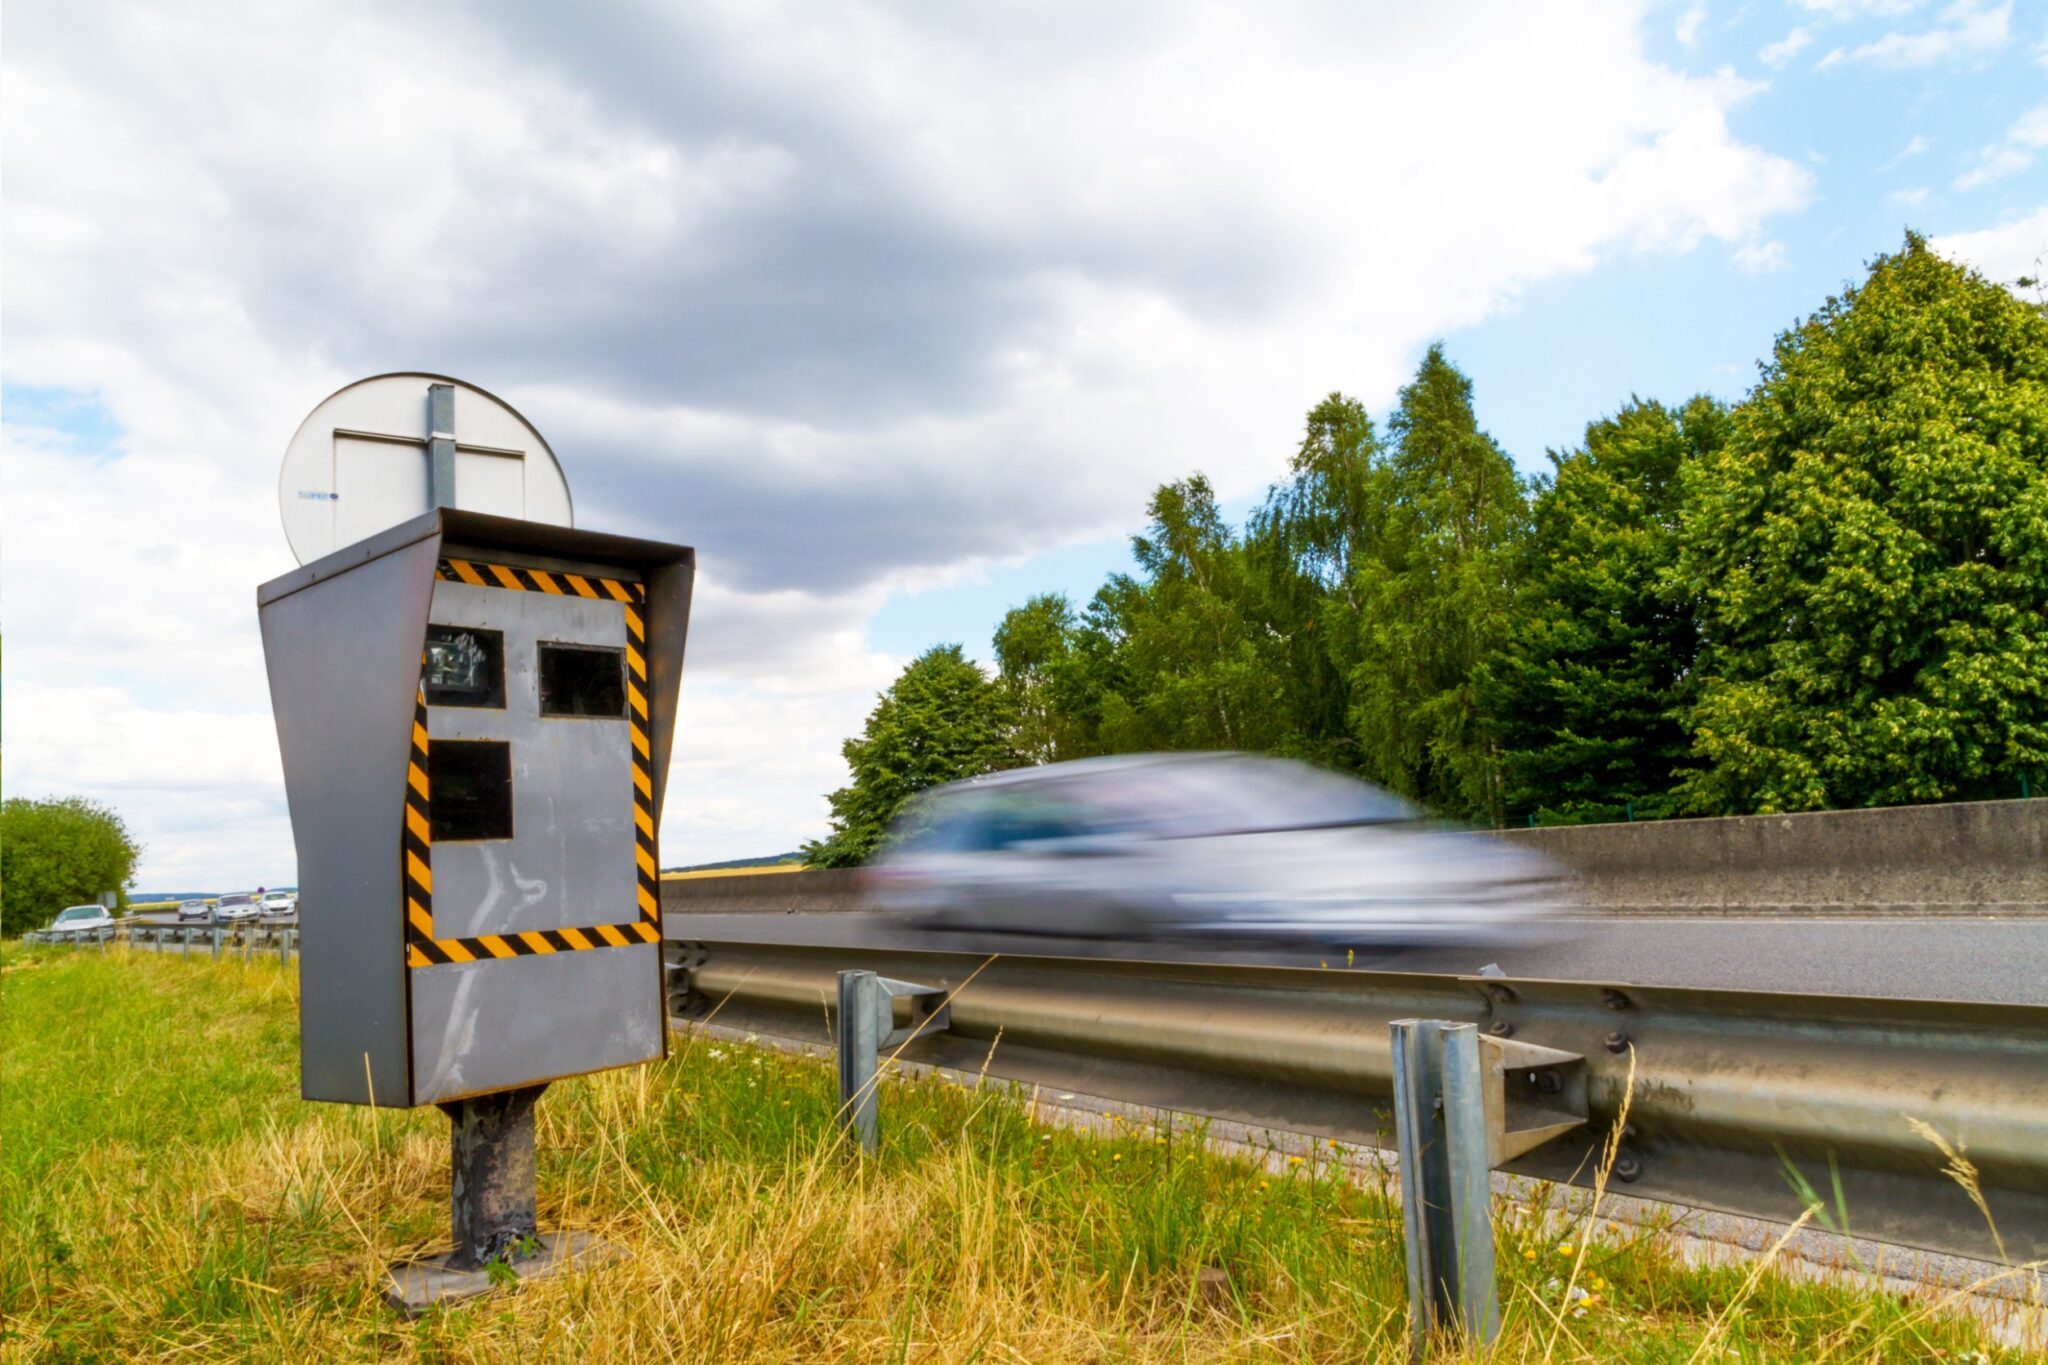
(580, 680)
(469, 788)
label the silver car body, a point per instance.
(280, 903)
(229, 909)
(1201, 846)
(81, 919)
(202, 910)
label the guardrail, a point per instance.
(244, 939)
(1726, 1099)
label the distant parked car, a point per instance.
(81, 919)
(231, 909)
(277, 903)
(195, 910)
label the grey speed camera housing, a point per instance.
(475, 714)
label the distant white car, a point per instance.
(231, 909)
(195, 910)
(81, 919)
(278, 903)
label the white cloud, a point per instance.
(1964, 31)
(1688, 31)
(1786, 48)
(2012, 153)
(1912, 197)
(1838, 10)
(1760, 258)
(2004, 253)
(1917, 145)
(849, 299)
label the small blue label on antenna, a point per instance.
(315, 495)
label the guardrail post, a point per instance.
(866, 1025)
(1440, 1125)
(284, 946)
(859, 1049)
(216, 943)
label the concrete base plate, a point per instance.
(415, 1286)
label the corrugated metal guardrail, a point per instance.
(1732, 1091)
(244, 940)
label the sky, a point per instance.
(897, 313)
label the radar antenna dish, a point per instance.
(386, 449)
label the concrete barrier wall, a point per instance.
(1984, 857)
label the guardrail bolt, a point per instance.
(1614, 1000)
(1501, 1028)
(1627, 1166)
(1617, 1041)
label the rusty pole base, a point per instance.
(414, 1287)
(493, 1210)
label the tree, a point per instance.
(1433, 599)
(1870, 549)
(1048, 681)
(59, 852)
(1195, 658)
(1589, 690)
(940, 721)
(1305, 543)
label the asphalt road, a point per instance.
(2002, 961)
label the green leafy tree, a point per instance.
(59, 852)
(1050, 680)
(1589, 689)
(1870, 549)
(1433, 600)
(1195, 660)
(1306, 543)
(940, 721)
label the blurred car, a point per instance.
(1229, 846)
(277, 903)
(241, 906)
(196, 910)
(81, 919)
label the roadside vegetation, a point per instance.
(59, 852)
(165, 1194)
(1826, 595)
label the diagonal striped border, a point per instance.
(422, 948)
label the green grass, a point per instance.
(166, 1194)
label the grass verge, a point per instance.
(164, 1193)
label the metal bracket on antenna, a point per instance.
(441, 444)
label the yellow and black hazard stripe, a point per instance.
(423, 949)
(433, 952)
(419, 839)
(551, 581)
(645, 855)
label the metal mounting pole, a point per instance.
(492, 1194)
(1440, 1124)
(441, 443)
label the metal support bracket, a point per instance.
(492, 1197)
(865, 1024)
(441, 443)
(1463, 1104)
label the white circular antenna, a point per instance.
(389, 448)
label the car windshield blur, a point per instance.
(225, 901)
(1180, 798)
(78, 912)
